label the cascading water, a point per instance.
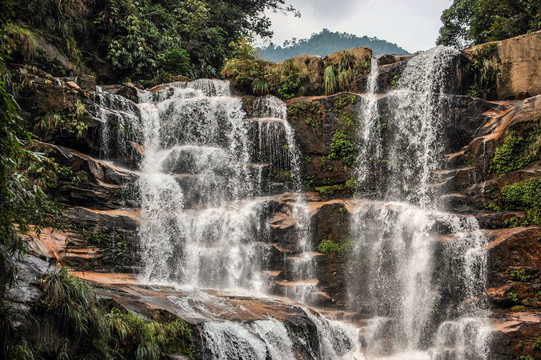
(370, 139)
(417, 273)
(207, 175)
(120, 124)
(198, 218)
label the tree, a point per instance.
(500, 19)
(456, 24)
(469, 22)
(23, 206)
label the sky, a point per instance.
(411, 24)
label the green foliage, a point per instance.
(474, 91)
(512, 222)
(345, 189)
(520, 275)
(338, 77)
(469, 22)
(525, 196)
(342, 147)
(115, 243)
(86, 328)
(537, 344)
(146, 41)
(310, 112)
(485, 70)
(525, 357)
(21, 202)
(343, 139)
(71, 120)
(394, 81)
(516, 153)
(493, 207)
(330, 247)
(329, 80)
(253, 75)
(456, 24)
(511, 295)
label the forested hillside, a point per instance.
(145, 41)
(326, 42)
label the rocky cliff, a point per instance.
(490, 170)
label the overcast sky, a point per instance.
(411, 24)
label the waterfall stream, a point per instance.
(213, 176)
(417, 272)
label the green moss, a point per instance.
(524, 196)
(511, 295)
(516, 153)
(343, 139)
(537, 344)
(330, 247)
(310, 112)
(525, 357)
(520, 275)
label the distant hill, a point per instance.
(325, 43)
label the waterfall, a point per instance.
(119, 125)
(199, 220)
(369, 141)
(418, 273)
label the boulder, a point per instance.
(519, 63)
(360, 53)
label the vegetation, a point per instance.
(345, 189)
(469, 22)
(520, 275)
(338, 77)
(343, 139)
(21, 202)
(253, 75)
(324, 43)
(87, 328)
(330, 247)
(310, 112)
(485, 71)
(516, 152)
(146, 41)
(524, 196)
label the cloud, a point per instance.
(412, 24)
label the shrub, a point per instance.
(524, 196)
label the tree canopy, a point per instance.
(469, 22)
(146, 40)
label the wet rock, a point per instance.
(512, 249)
(26, 291)
(514, 335)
